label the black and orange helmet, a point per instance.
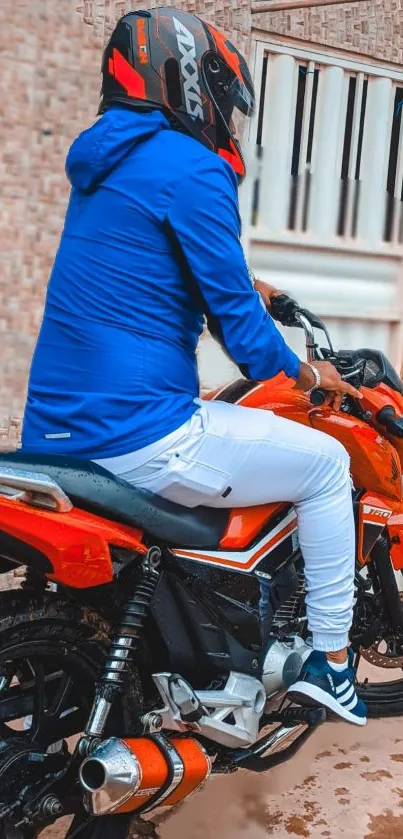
(168, 59)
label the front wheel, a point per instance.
(51, 653)
(379, 612)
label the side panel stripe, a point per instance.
(245, 560)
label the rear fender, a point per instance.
(71, 548)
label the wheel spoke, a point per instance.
(17, 700)
(38, 712)
(55, 711)
(66, 726)
(59, 699)
(16, 703)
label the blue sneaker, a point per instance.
(320, 684)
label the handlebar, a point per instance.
(288, 312)
(318, 397)
(388, 418)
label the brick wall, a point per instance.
(49, 71)
(232, 16)
(369, 27)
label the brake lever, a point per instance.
(313, 319)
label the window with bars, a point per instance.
(394, 184)
(301, 161)
(337, 168)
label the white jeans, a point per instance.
(231, 456)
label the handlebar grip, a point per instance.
(283, 308)
(386, 415)
(388, 418)
(318, 397)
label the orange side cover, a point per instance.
(76, 543)
(246, 523)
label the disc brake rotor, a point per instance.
(381, 655)
(386, 653)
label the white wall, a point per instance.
(353, 280)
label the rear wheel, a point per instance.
(51, 654)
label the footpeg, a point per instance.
(229, 716)
(297, 715)
(184, 697)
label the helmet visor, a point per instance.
(243, 98)
(227, 90)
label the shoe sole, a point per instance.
(304, 689)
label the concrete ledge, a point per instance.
(10, 433)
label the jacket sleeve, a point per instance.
(204, 219)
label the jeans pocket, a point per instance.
(189, 482)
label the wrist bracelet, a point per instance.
(251, 276)
(318, 380)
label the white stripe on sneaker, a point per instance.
(346, 696)
(342, 687)
(322, 697)
(351, 704)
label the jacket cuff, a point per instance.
(292, 365)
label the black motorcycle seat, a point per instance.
(94, 489)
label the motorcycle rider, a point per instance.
(151, 244)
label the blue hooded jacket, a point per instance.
(150, 245)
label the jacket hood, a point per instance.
(100, 148)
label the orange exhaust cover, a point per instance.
(155, 770)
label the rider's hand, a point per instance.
(266, 292)
(331, 381)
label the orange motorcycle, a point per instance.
(151, 645)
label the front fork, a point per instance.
(383, 575)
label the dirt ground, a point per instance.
(345, 783)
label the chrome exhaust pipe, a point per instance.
(123, 775)
(278, 740)
(281, 744)
(110, 776)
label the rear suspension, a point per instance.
(124, 644)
